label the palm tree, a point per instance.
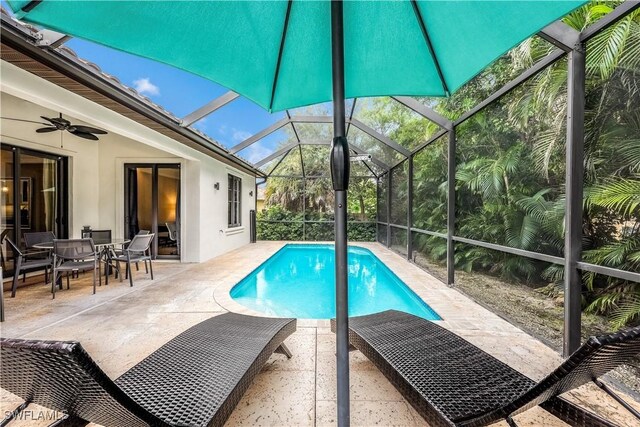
(612, 151)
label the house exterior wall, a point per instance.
(96, 169)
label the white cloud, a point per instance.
(254, 153)
(143, 85)
(240, 135)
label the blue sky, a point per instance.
(181, 92)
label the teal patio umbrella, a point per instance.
(286, 54)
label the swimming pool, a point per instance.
(298, 281)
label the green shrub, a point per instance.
(276, 223)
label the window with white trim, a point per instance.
(235, 187)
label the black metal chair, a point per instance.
(3, 235)
(451, 382)
(36, 237)
(138, 250)
(99, 236)
(195, 379)
(33, 238)
(73, 255)
(23, 265)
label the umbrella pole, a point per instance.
(340, 177)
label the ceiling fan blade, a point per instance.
(84, 135)
(88, 129)
(45, 130)
(47, 119)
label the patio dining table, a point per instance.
(103, 248)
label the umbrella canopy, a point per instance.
(278, 53)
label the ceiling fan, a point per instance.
(59, 123)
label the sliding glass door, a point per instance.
(152, 202)
(33, 196)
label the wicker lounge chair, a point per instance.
(451, 382)
(196, 379)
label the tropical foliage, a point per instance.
(277, 223)
(511, 167)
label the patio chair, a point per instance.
(100, 236)
(3, 234)
(138, 250)
(33, 238)
(23, 265)
(195, 379)
(32, 253)
(173, 231)
(119, 252)
(73, 255)
(451, 382)
(142, 233)
(173, 236)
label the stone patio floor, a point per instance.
(120, 325)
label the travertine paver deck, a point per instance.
(121, 325)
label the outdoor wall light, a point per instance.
(250, 193)
(216, 185)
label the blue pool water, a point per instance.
(298, 281)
